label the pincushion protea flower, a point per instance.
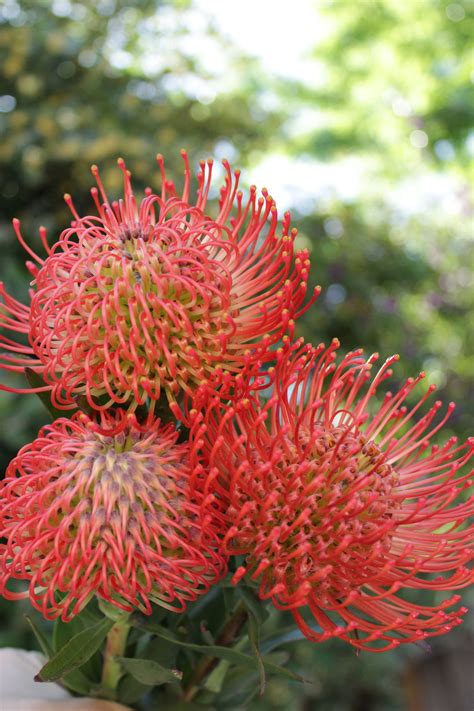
(338, 503)
(156, 297)
(91, 511)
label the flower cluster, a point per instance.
(336, 500)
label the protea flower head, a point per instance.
(103, 509)
(339, 503)
(156, 297)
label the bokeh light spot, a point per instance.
(7, 103)
(418, 138)
(455, 12)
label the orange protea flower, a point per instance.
(157, 297)
(338, 503)
(91, 511)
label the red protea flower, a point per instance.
(157, 297)
(337, 502)
(91, 511)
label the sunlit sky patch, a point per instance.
(281, 35)
(283, 39)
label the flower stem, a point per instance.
(228, 634)
(114, 647)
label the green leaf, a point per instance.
(81, 680)
(229, 594)
(76, 652)
(64, 631)
(241, 699)
(257, 616)
(215, 680)
(227, 653)
(254, 637)
(146, 671)
(164, 654)
(78, 682)
(241, 686)
(169, 698)
(130, 690)
(41, 638)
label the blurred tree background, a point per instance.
(370, 146)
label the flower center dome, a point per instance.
(129, 314)
(321, 513)
(85, 513)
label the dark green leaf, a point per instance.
(279, 658)
(130, 690)
(76, 652)
(63, 631)
(146, 671)
(241, 686)
(257, 616)
(78, 682)
(164, 654)
(169, 698)
(229, 598)
(241, 699)
(254, 637)
(215, 680)
(41, 638)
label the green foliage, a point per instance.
(149, 672)
(76, 652)
(391, 68)
(231, 655)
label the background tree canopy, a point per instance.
(372, 149)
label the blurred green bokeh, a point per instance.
(373, 154)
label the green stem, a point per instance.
(227, 636)
(115, 647)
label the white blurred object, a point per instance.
(18, 669)
(20, 692)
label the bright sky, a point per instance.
(279, 33)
